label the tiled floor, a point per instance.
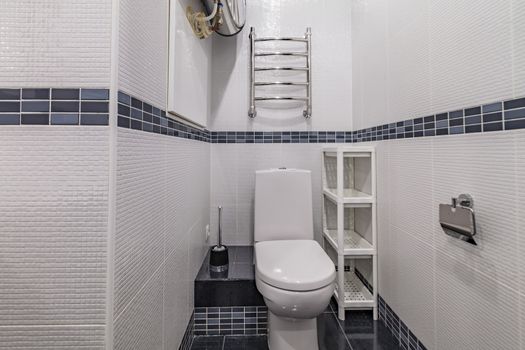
(358, 332)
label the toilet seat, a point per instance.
(294, 265)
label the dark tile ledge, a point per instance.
(235, 287)
(240, 268)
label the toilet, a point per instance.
(293, 273)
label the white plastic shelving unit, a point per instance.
(349, 223)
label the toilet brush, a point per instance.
(219, 253)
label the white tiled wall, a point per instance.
(518, 42)
(53, 237)
(163, 197)
(331, 68)
(54, 181)
(412, 58)
(163, 188)
(451, 294)
(55, 43)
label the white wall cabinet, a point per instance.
(189, 75)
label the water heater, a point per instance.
(233, 15)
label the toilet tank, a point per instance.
(283, 205)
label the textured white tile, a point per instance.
(383, 189)
(369, 63)
(52, 337)
(409, 88)
(176, 297)
(411, 283)
(412, 58)
(163, 199)
(410, 187)
(518, 35)
(55, 43)
(404, 13)
(520, 213)
(143, 49)
(224, 183)
(187, 187)
(53, 228)
(371, 97)
(470, 51)
(384, 231)
(522, 321)
(139, 326)
(483, 166)
(139, 239)
(385, 267)
(473, 311)
(229, 98)
(196, 252)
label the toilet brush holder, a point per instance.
(219, 253)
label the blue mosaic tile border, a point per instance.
(81, 106)
(187, 340)
(280, 136)
(400, 331)
(54, 106)
(498, 116)
(235, 320)
(138, 115)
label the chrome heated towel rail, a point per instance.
(307, 54)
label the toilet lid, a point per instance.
(297, 265)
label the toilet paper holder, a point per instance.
(458, 219)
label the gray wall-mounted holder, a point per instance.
(458, 219)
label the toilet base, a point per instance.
(291, 334)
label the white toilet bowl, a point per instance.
(293, 273)
(296, 279)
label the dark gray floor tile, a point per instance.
(207, 343)
(358, 332)
(329, 333)
(366, 334)
(259, 342)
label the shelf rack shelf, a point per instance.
(349, 223)
(354, 243)
(350, 196)
(355, 295)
